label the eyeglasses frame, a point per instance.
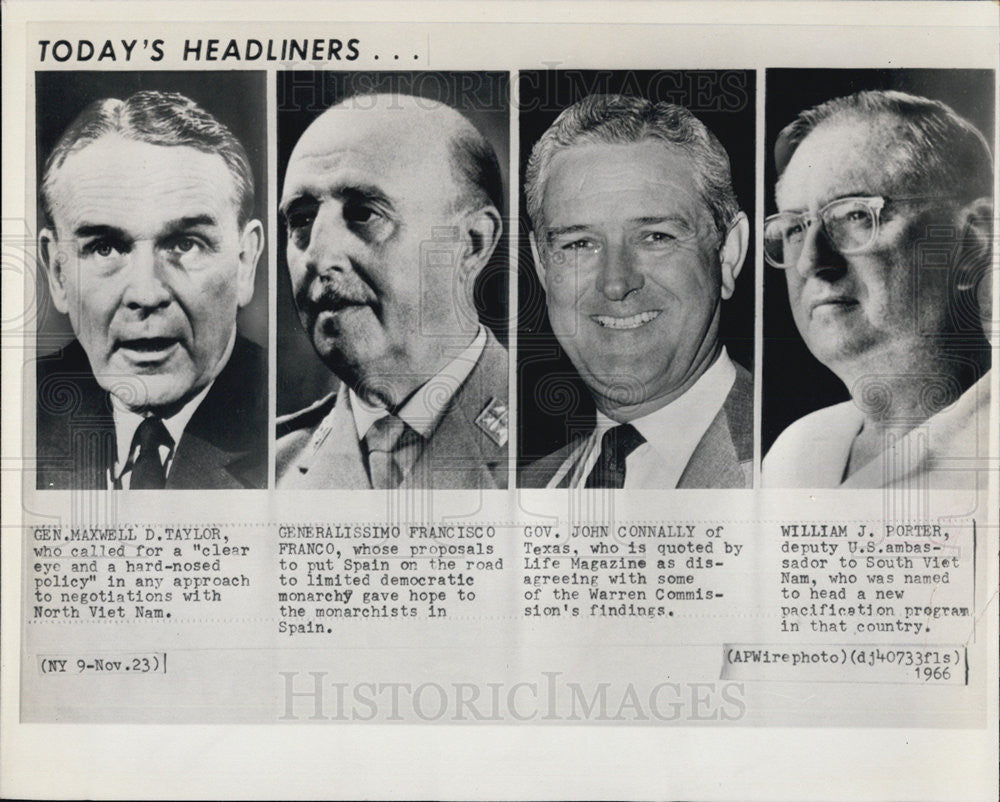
(875, 204)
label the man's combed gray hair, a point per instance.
(937, 151)
(157, 118)
(626, 120)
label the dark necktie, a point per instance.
(616, 444)
(147, 471)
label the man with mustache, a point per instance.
(637, 239)
(884, 236)
(391, 210)
(150, 249)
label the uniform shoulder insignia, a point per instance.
(493, 421)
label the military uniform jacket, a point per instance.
(318, 447)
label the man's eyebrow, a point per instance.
(652, 221)
(88, 230)
(85, 230)
(551, 232)
(346, 191)
(299, 198)
(363, 191)
(861, 193)
(556, 231)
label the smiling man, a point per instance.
(390, 204)
(883, 233)
(150, 250)
(637, 239)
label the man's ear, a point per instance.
(54, 264)
(481, 232)
(975, 254)
(251, 246)
(733, 252)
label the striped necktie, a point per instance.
(382, 442)
(616, 444)
(148, 471)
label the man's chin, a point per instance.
(353, 357)
(165, 393)
(619, 386)
(851, 360)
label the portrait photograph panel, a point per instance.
(877, 244)
(392, 292)
(636, 279)
(152, 322)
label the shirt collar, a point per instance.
(673, 431)
(424, 409)
(127, 421)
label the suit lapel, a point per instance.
(720, 460)
(574, 451)
(714, 462)
(224, 444)
(540, 472)
(459, 454)
(200, 464)
(92, 435)
(452, 457)
(333, 456)
(75, 429)
(91, 440)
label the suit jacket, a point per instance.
(318, 447)
(223, 446)
(723, 457)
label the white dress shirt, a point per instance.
(672, 434)
(126, 422)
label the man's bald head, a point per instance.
(420, 124)
(391, 205)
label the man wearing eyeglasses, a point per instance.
(883, 232)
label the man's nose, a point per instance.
(620, 274)
(146, 283)
(818, 256)
(329, 241)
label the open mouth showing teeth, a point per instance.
(149, 345)
(631, 322)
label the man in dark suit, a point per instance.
(149, 249)
(391, 209)
(637, 239)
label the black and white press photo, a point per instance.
(568, 401)
(878, 241)
(392, 302)
(152, 323)
(636, 279)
